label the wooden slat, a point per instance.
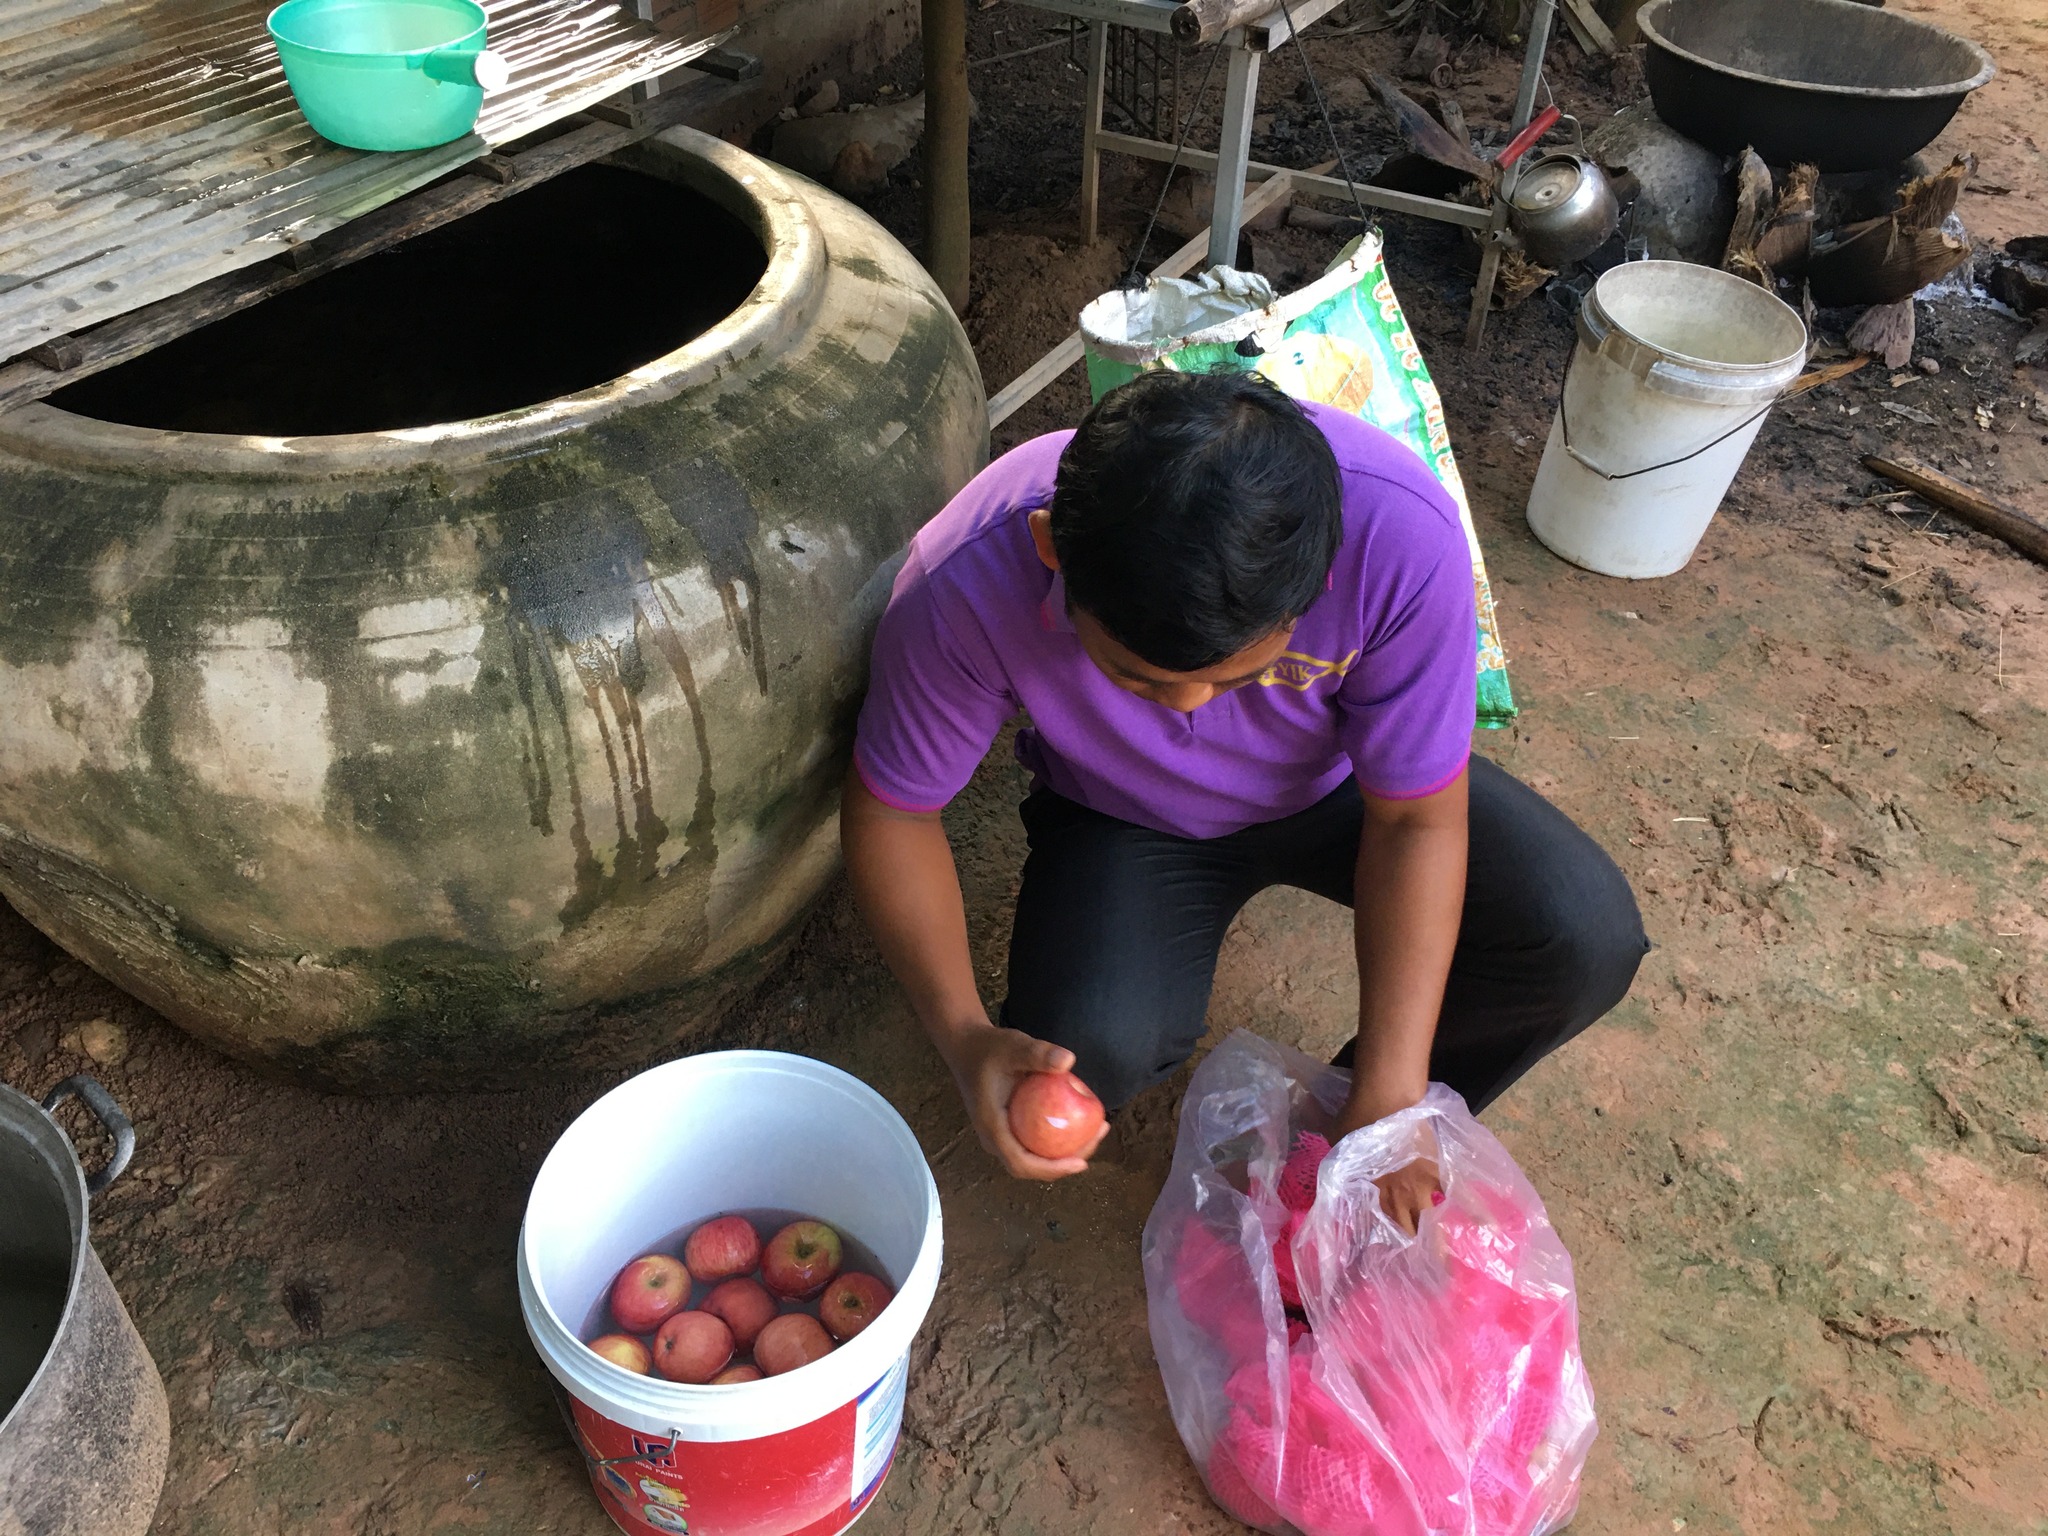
(1967, 502)
(150, 145)
(1587, 27)
(1003, 404)
(1825, 374)
(500, 176)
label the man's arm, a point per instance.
(908, 890)
(1408, 898)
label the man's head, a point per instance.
(1194, 518)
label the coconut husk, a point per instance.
(1444, 107)
(1886, 331)
(1788, 239)
(1430, 54)
(1926, 202)
(1880, 261)
(1755, 201)
(1428, 137)
(1518, 278)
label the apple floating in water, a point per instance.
(851, 1302)
(722, 1248)
(649, 1291)
(800, 1259)
(693, 1347)
(745, 1306)
(626, 1352)
(794, 1339)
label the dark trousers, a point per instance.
(1118, 928)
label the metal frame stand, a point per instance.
(1231, 163)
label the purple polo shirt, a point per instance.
(1378, 679)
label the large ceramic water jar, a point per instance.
(446, 669)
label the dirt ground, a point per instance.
(1803, 1170)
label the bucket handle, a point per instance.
(1565, 424)
(583, 1444)
(108, 1113)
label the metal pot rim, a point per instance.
(771, 201)
(23, 1116)
(1648, 16)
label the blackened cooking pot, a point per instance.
(1846, 87)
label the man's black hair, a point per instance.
(1194, 514)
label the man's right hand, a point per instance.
(988, 1063)
(909, 892)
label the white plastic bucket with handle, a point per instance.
(1675, 368)
(795, 1455)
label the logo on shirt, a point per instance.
(1291, 669)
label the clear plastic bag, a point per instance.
(1332, 1375)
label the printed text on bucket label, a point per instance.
(879, 1416)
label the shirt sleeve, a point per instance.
(1406, 708)
(936, 699)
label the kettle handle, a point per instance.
(1539, 125)
(108, 1113)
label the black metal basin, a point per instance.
(1847, 87)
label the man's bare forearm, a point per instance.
(908, 890)
(1409, 900)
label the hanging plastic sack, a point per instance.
(1331, 1375)
(1340, 341)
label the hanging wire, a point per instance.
(1133, 278)
(1322, 108)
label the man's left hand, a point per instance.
(1409, 1191)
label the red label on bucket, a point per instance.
(810, 1481)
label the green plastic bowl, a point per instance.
(387, 74)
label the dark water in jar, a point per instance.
(854, 1256)
(555, 290)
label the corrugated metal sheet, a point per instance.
(147, 145)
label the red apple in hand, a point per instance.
(1055, 1114)
(625, 1351)
(791, 1340)
(851, 1302)
(720, 1249)
(692, 1347)
(648, 1292)
(744, 1306)
(735, 1375)
(800, 1259)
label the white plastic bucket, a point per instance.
(795, 1455)
(1675, 368)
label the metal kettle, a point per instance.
(1562, 208)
